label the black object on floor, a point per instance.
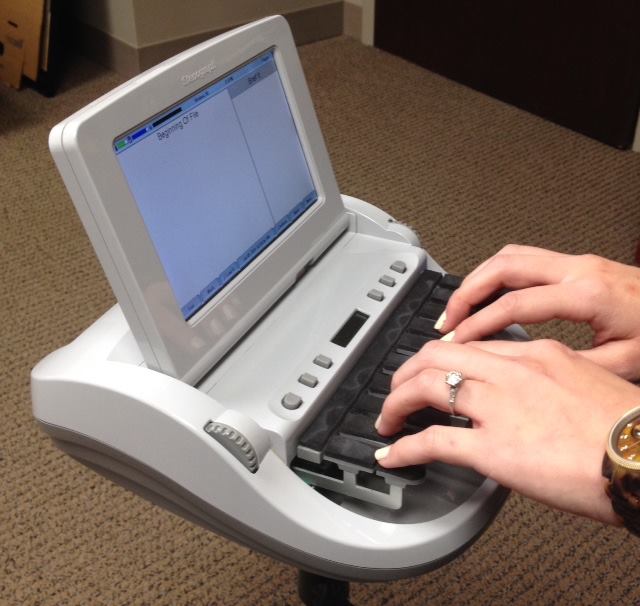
(316, 590)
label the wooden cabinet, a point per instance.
(575, 62)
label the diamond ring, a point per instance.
(453, 379)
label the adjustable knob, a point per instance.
(236, 443)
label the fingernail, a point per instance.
(377, 423)
(441, 320)
(381, 453)
(449, 336)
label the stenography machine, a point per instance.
(260, 317)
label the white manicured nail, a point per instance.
(377, 423)
(381, 453)
(449, 336)
(441, 320)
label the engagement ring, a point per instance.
(453, 379)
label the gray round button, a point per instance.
(291, 401)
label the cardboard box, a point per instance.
(12, 57)
(20, 39)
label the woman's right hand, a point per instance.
(546, 285)
(540, 417)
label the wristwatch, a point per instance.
(621, 466)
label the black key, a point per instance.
(361, 425)
(341, 449)
(312, 442)
(429, 416)
(394, 361)
(451, 281)
(441, 294)
(380, 384)
(411, 343)
(432, 310)
(345, 449)
(424, 326)
(369, 402)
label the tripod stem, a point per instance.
(316, 590)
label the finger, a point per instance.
(619, 357)
(537, 349)
(512, 271)
(472, 362)
(518, 249)
(428, 388)
(511, 349)
(453, 445)
(527, 306)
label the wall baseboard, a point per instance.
(308, 25)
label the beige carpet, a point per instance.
(469, 173)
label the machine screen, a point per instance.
(217, 178)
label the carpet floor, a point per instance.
(469, 173)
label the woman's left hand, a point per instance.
(541, 415)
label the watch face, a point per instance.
(626, 440)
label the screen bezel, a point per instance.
(187, 350)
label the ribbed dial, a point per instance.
(235, 443)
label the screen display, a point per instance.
(217, 178)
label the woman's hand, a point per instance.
(550, 285)
(541, 415)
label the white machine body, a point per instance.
(202, 413)
(144, 429)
